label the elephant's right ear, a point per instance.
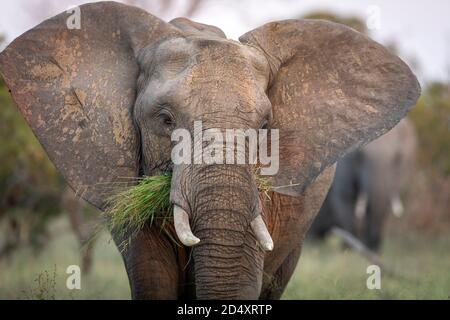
(76, 89)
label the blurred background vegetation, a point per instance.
(29, 184)
(38, 239)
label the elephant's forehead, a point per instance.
(208, 71)
(207, 58)
(199, 47)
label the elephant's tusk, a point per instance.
(261, 233)
(182, 227)
(397, 206)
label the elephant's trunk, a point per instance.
(228, 262)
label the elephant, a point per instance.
(367, 186)
(105, 99)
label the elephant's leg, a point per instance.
(153, 266)
(344, 206)
(374, 225)
(281, 277)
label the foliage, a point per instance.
(128, 211)
(45, 287)
(431, 117)
(429, 201)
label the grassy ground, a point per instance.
(421, 265)
(20, 275)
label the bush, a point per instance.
(431, 117)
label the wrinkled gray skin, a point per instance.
(103, 101)
(367, 186)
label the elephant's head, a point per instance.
(104, 100)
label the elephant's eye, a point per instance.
(265, 125)
(166, 118)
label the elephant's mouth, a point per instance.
(185, 209)
(187, 237)
(148, 202)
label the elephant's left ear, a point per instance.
(332, 90)
(76, 87)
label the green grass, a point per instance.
(108, 279)
(130, 209)
(420, 267)
(326, 271)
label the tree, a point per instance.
(432, 119)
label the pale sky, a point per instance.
(420, 29)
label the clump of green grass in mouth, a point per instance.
(128, 211)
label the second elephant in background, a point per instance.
(368, 185)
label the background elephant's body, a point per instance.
(368, 185)
(339, 205)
